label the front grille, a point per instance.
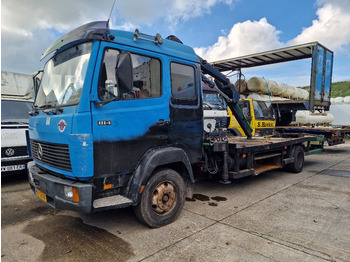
(51, 154)
(14, 151)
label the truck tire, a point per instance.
(162, 199)
(298, 164)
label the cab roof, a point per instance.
(100, 31)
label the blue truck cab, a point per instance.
(117, 121)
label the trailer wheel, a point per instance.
(298, 164)
(162, 199)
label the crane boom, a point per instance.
(228, 91)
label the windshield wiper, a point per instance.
(44, 106)
(49, 108)
(209, 105)
(55, 110)
(34, 112)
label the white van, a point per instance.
(14, 123)
(214, 110)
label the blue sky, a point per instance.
(217, 29)
(288, 16)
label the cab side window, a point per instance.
(146, 78)
(183, 84)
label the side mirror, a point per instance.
(124, 72)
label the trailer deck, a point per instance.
(266, 143)
(332, 135)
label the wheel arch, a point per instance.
(160, 158)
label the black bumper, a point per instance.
(53, 188)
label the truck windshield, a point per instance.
(63, 78)
(213, 101)
(15, 112)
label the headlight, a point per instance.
(68, 192)
(71, 193)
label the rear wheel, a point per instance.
(298, 164)
(162, 199)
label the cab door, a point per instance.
(186, 113)
(127, 121)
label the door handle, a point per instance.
(162, 122)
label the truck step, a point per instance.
(111, 201)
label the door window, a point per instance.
(183, 84)
(146, 78)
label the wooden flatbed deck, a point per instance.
(266, 143)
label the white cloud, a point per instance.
(61, 15)
(331, 28)
(249, 37)
(29, 27)
(183, 10)
(126, 26)
(172, 12)
(244, 38)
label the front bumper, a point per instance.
(53, 188)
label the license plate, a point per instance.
(13, 168)
(40, 194)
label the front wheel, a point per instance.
(162, 199)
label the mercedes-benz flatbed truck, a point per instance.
(118, 121)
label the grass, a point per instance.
(338, 89)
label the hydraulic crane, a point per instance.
(228, 91)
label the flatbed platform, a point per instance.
(316, 129)
(266, 143)
(246, 157)
(332, 135)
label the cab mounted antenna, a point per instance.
(111, 12)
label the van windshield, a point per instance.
(212, 101)
(63, 78)
(15, 112)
